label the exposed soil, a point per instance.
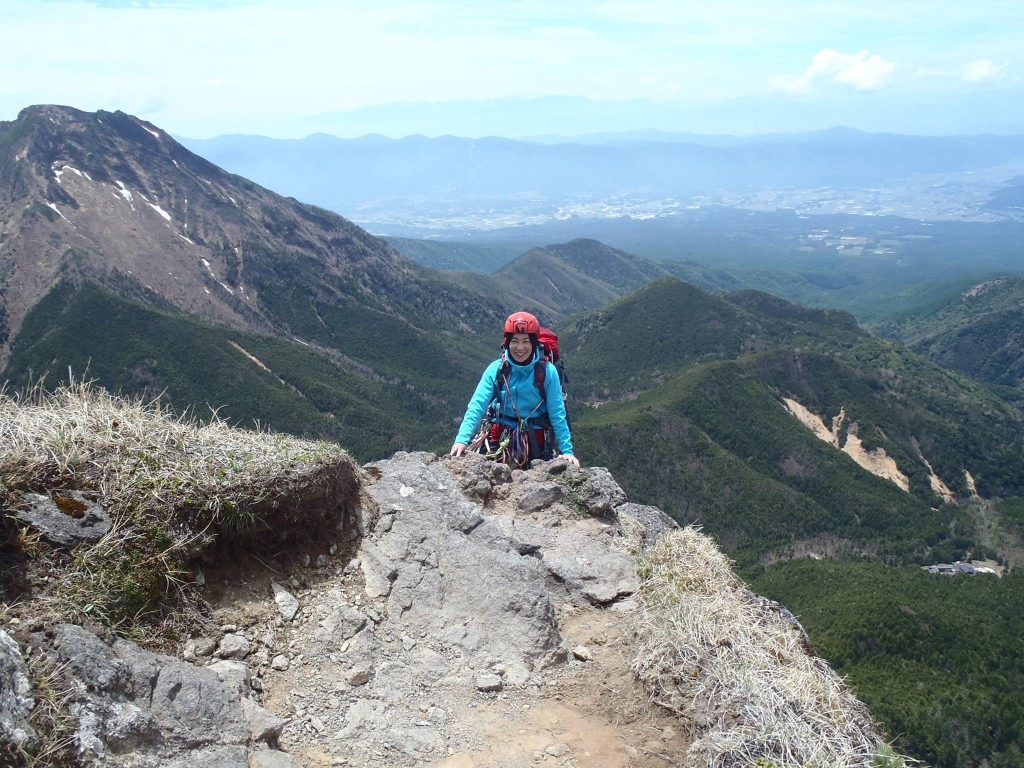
(584, 714)
(595, 709)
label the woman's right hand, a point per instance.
(458, 449)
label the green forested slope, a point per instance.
(669, 325)
(561, 280)
(676, 390)
(714, 446)
(557, 281)
(979, 331)
(940, 660)
(453, 255)
(135, 348)
(412, 326)
(681, 394)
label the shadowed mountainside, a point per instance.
(979, 331)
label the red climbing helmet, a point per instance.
(522, 322)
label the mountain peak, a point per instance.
(62, 114)
(53, 112)
(67, 125)
(49, 133)
(109, 198)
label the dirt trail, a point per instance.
(460, 635)
(588, 714)
(594, 715)
(591, 714)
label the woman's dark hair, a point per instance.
(534, 341)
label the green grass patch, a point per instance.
(173, 488)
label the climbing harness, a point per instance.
(515, 445)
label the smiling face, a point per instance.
(520, 348)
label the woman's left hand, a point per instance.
(571, 459)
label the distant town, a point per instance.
(936, 197)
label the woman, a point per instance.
(528, 412)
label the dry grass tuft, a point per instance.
(736, 671)
(173, 487)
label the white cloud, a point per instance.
(862, 72)
(982, 70)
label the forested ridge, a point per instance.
(939, 660)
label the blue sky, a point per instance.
(200, 69)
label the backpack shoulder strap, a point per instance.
(540, 372)
(501, 376)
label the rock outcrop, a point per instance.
(135, 708)
(465, 596)
(65, 520)
(483, 617)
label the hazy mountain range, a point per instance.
(871, 266)
(949, 114)
(481, 182)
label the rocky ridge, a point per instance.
(484, 617)
(480, 619)
(462, 630)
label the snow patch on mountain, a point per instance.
(125, 193)
(161, 211)
(57, 211)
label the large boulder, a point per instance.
(90, 660)
(598, 492)
(476, 598)
(652, 522)
(577, 564)
(540, 496)
(135, 707)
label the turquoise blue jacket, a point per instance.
(520, 395)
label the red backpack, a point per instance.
(548, 344)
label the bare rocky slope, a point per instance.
(467, 615)
(109, 198)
